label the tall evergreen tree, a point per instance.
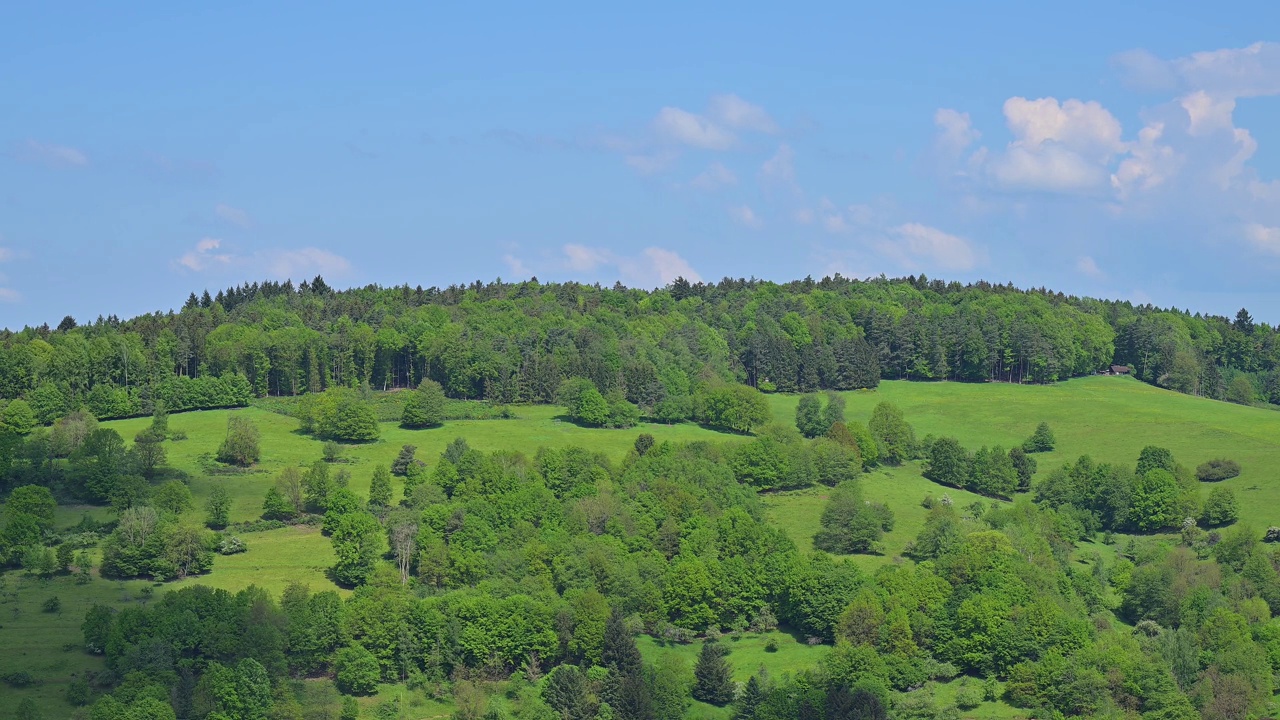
(625, 689)
(713, 676)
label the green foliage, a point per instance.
(17, 417)
(809, 419)
(240, 447)
(424, 406)
(1220, 508)
(380, 487)
(644, 443)
(356, 671)
(733, 407)
(172, 497)
(1155, 458)
(713, 676)
(217, 507)
(358, 543)
(1041, 440)
(340, 413)
(1154, 504)
(1217, 470)
(851, 524)
(948, 463)
(895, 439)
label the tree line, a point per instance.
(518, 342)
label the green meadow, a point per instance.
(1108, 418)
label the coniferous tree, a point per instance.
(713, 676)
(625, 689)
(752, 695)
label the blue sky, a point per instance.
(1110, 149)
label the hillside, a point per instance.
(1108, 418)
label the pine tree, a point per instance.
(400, 466)
(713, 676)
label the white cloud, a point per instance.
(204, 257)
(1252, 71)
(1058, 147)
(50, 154)
(653, 267)
(9, 295)
(1149, 163)
(208, 255)
(669, 265)
(233, 215)
(931, 246)
(691, 129)
(1088, 266)
(1207, 113)
(735, 112)
(1262, 238)
(745, 216)
(955, 132)
(714, 177)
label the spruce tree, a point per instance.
(752, 696)
(713, 676)
(400, 466)
(625, 689)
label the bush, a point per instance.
(51, 605)
(331, 452)
(771, 645)
(18, 679)
(1272, 535)
(969, 696)
(1218, 469)
(230, 545)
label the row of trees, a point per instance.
(518, 342)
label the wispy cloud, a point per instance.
(233, 215)
(1089, 267)
(746, 217)
(653, 267)
(34, 151)
(714, 177)
(209, 255)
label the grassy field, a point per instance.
(1109, 418)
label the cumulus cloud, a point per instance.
(1058, 147)
(208, 255)
(1088, 266)
(232, 215)
(50, 154)
(745, 216)
(714, 177)
(690, 129)
(653, 267)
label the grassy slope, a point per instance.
(1108, 418)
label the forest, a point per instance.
(517, 342)
(510, 585)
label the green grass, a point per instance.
(746, 653)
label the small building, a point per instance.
(1119, 370)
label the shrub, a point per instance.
(969, 696)
(331, 452)
(1273, 534)
(771, 645)
(230, 545)
(1218, 469)
(51, 604)
(18, 679)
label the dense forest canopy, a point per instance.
(516, 342)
